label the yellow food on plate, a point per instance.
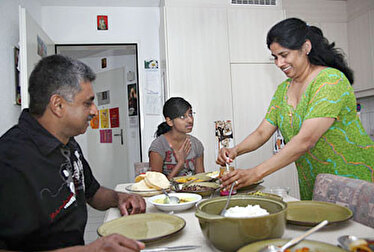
(139, 178)
(183, 180)
(213, 174)
(359, 245)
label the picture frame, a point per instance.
(132, 97)
(17, 77)
(103, 63)
(102, 23)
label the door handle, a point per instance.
(121, 135)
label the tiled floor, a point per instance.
(95, 219)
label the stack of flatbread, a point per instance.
(151, 181)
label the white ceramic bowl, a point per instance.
(176, 207)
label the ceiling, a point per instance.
(106, 3)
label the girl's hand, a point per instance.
(183, 151)
(226, 155)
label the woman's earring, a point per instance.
(307, 53)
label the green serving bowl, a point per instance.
(230, 234)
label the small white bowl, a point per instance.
(176, 207)
(280, 191)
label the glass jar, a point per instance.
(222, 171)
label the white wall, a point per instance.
(356, 8)
(132, 133)
(77, 25)
(330, 16)
(9, 35)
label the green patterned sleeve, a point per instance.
(329, 94)
(274, 107)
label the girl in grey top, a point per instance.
(174, 152)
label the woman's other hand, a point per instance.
(241, 178)
(226, 155)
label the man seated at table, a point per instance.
(45, 181)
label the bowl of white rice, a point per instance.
(249, 218)
(245, 212)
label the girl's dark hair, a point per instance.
(173, 108)
(291, 33)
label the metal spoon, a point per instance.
(294, 241)
(348, 240)
(170, 199)
(228, 200)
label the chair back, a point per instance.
(356, 194)
(141, 167)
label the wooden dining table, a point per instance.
(191, 234)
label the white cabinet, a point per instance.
(204, 49)
(253, 86)
(248, 28)
(198, 68)
(361, 52)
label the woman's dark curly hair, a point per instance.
(292, 33)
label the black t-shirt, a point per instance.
(43, 189)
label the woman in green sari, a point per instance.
(315, 110)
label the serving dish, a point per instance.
(145, 227)
(314, 246)
(191, 197)
(230, 234)
(311, 212)
(251, 187)
(347, 241)
(145, 193)
(201, 188)
(199, 176)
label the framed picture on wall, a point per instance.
(16, 77)
(102, 23)
(103, 63)
(132, 99)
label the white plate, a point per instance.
(176, 207)
(146, 193)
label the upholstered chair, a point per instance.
(357, 195)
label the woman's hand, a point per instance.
(182, 153)
(226, 155)
(241, 178)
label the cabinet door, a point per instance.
(198, 68)
(253, 86)
(360, 55)
(248, 29)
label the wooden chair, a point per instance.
(356, 194)
(141, 167)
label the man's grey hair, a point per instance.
(56, 74)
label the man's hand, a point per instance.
(130, 203)
(114, 243)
